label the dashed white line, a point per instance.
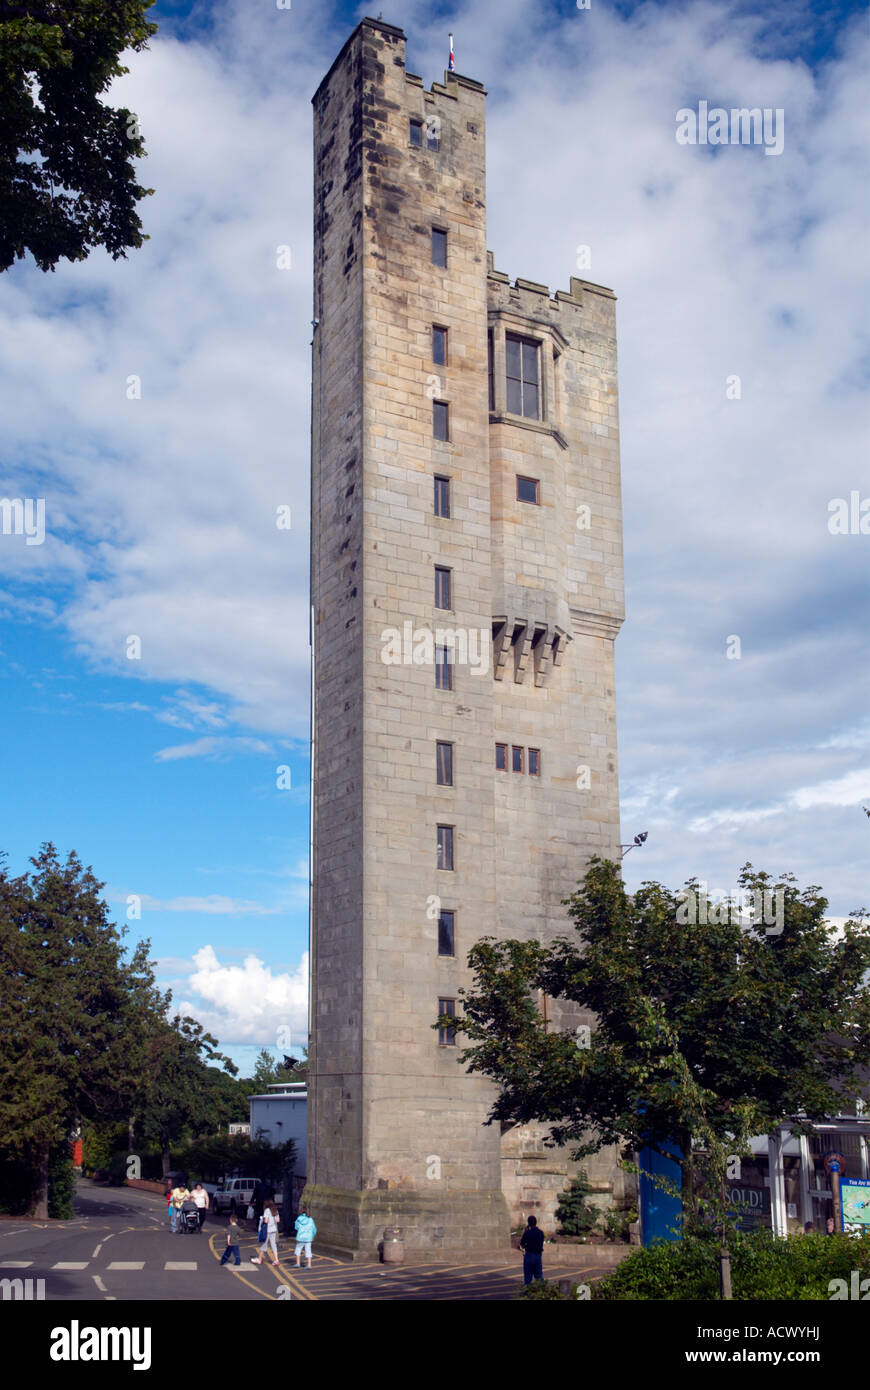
(71, 1264)
(16, 1264)
(126, 1264)
(180, 1264)
(102, 1243)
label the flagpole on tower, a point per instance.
(452, 64)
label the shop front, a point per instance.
(788, 1183)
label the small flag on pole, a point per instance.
(452, 64)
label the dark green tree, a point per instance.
(67, 176)
(710, 1031)
(268, 1071)
(73, 1012)
(180, 1095)
(575, 1215)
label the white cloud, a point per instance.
(214, 903)
(211, 748)
(841, 791)
(247, 1003)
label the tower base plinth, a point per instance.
(434, 1225)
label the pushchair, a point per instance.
(189, 1217)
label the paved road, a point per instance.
(493, 1282)
(119, 1248)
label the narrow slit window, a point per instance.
(444, 763)
(447, 1034)
(445, 847)
(517, 758)
(439, 247)
(415, 132)
(442, 587)
(534, 762)
(440, 422)
(439, 346)
(442, 496)
(501, 757)
(443, 668)
(447, 933)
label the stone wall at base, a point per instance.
(434, 1225)
(534, 1176)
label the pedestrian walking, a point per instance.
(250, 1214)
(170, 1208)
(180, 1195)
(232, 1249)
(532, 1245)
(305, 1233)
(267, 1236)
(200, 1197)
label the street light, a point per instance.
(638, 840)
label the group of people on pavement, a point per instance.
(180, 1200)
(267, 1237)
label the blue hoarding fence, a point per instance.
(660, 1213)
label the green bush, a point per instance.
(763, 1267)
(575, 1215)
(616, 1223)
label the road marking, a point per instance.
(102, 1243)
(71, 1264)
(236, 1275)
(126, 1264)
(16, 1264)
(174, 1264)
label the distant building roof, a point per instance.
(279, 1095)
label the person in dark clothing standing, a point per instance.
(532, 1244)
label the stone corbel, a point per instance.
(502, 632)
(522, 647)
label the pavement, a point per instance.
(120, 1248)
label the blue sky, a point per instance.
(161, 771)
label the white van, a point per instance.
(236, 1193)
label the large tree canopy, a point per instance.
(84, 1027)
(711, 1031)
(180, 1092)
(67, 176)
(75, 1014)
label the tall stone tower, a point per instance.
(466, 592)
